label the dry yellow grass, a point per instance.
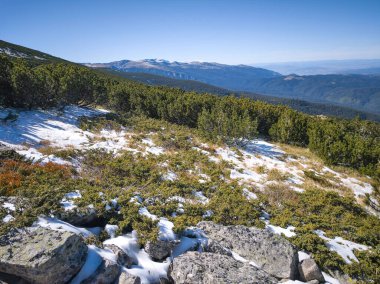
(277, 175)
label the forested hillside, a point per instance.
(355, 91)
(191, 85)
(352, 143)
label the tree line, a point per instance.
(353, 143)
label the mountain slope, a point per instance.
(354, 91)
(196, 86)
(359, 92)
(31, 55)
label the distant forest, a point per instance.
(297, 104)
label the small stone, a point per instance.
(309, 270)
(159, 250)
(126, 278)
(122, 258)
(107, 272)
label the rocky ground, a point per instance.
(88, 201)
(218, 254)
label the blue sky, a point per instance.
(225, 31)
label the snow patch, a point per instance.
(148, 270)
(59, 225)
(343, 247)
(8, 218)
(288, 232)
(9, 206)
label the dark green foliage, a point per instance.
(231, 207)
(317, 178)
(227, 121)
(291, 128)
(337, 216)
(353, 143)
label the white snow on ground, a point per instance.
(166, 230)
(13, 53)
(288, 232)
(303, 255)
(94, 258)
(330, 279)
(148, 270)
(164, 225)
(35, 155)
(67, 202)
(249, 195)
(201, 198)
(152, 148)
(59, 225)
(242, 259)
(190, 240)
(358, 188)
(111, 230)
(256, 153)
(185, 244)
(155, 150)
(8, 218)
(343, 247)
(144, 211)
(59, 129)
(170, 176)
(9, 206)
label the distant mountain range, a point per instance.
(361, 92)
(338, 95)
(226, 76)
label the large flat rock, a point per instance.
(210, 268)
(42, 256)
(270, 252)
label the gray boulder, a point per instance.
(210, 268)
(309, 270)
(122, 258)
(40, 255)
(126, 278)
(107, 272)
(159, 250)
(270, 252)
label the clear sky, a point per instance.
(225, 31)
